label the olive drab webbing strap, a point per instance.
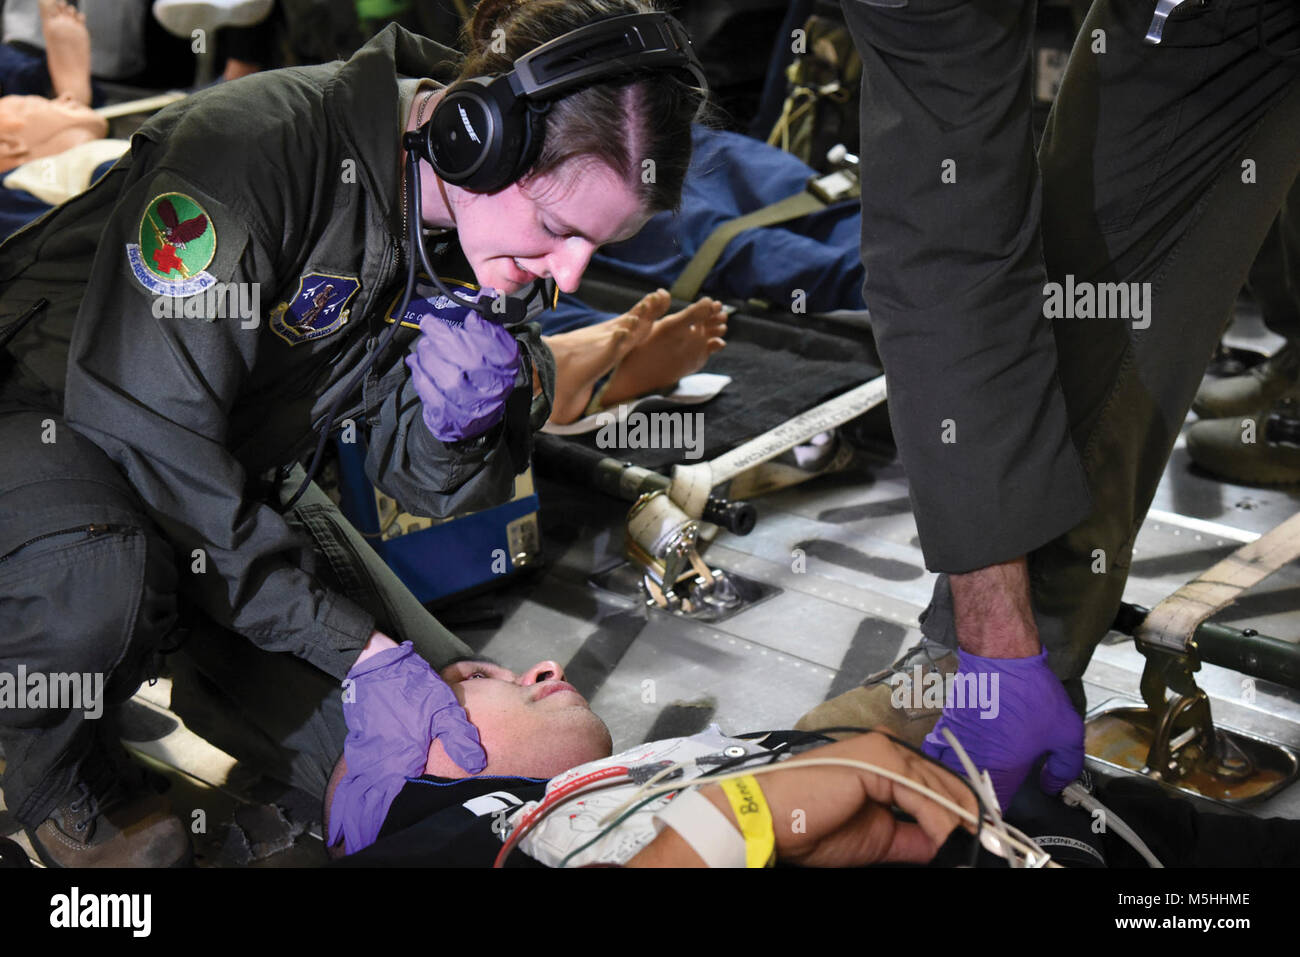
(1172, 623)
(820, 192)
(692, 277)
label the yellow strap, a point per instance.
(754, 818)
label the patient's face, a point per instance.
(32, 127)
(532, 724)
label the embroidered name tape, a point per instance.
(427, 299)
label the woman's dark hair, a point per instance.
(622, 121)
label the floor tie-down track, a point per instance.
(1174, 738)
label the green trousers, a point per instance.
(1162, 166)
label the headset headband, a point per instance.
(606, 48)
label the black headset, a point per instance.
(486, 131)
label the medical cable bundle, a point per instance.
(992, 833)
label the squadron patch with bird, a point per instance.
(177, 243)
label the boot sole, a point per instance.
(1206, 412)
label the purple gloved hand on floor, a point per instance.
(395, 706)
(463, 374)
(1020, 711)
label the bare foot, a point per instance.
(582, 356)
(677, 346)
(67, 50)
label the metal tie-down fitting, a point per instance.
(662, 541)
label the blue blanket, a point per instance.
(731, 175)
(19, 207)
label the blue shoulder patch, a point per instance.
(318, 308)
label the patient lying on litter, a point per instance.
(414, 784)
(420, 785)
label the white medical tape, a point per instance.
(706, 829)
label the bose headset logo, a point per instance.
(469, 127)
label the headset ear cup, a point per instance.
(534, 137)
(461, 116)
(509, 158)
(478, 134)
(464, 137)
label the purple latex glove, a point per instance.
(395, 706)
(1020, 711)
(463, 374)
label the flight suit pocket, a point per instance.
(71, 600)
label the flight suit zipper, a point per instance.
(93, 530)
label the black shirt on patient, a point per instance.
(444, 822)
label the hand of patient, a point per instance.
(1027, 714)
(395, 706)
(844, 814)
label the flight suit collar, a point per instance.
(363, 99)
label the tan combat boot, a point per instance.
(1275, 378)
(1262, 448)
(111, 819)
(888, 699)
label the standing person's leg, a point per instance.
(276, 710)
(1274, 283)
(1228, 407)
(1275, 275)
(951, 209)
(1163, 166)
(87, 594)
